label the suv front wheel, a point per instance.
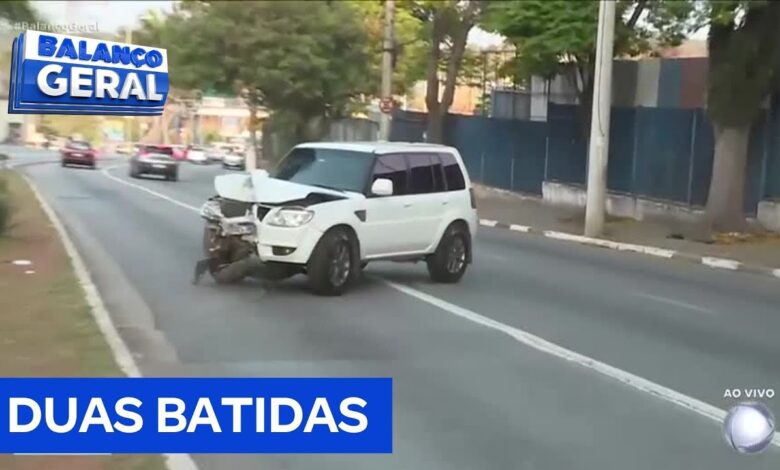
(448, 263)
(333, 264)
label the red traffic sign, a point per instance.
(386, 105)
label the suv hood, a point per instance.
(261, 188)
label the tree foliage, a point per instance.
(11, 11)
(447, 25)
(409, 51)
(555, 36)
(306, 60)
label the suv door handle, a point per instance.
(407, 204)
(444, 203)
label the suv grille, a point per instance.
(232, 208)
(262, 211)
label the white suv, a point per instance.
(330, 208)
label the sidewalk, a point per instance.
(761, 249)
(46, 328)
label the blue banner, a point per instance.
(196, 415)
(58, 74)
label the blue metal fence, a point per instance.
(663, 153)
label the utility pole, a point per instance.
(128, 119)
(387, 69)
(599, 122)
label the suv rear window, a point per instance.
(158, 149)
(78, 145)
(452, 173)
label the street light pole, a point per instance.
(387, 68)
(599, 123)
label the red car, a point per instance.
(78, 152)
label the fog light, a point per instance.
(281, 250)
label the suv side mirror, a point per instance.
(382, 187)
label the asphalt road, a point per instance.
(467, 393)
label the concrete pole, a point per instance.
(128, 119)
(387, 67)
(599, 123)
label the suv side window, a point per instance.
(425, 173)
(452, 173)
(393, 167)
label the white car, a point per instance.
(217, 153)
(197, 154)
(233, 161)
(330, 208)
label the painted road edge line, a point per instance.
(721, 263)
(119, 349)
(540, 344)
(709, 261)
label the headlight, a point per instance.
(290, 217)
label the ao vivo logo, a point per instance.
(753, 393)
(59, 74)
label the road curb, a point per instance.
(119, 349)
(708, 261)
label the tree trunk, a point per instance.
(433, 131)
(724, 211)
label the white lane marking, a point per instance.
(520, 228)
(146, 190)
(540, 344)
(488, 222)
(119, 349)
(722, 263)
(676, 303)
(648, 250)
(776, 272)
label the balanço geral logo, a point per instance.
(59, 74)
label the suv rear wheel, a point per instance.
(333, 264)
(448, 263)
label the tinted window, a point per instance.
(392, 167)
(78, 145)
(420, 173)
(452, 173)
(328, 168)
(156, 149)
(438, 174)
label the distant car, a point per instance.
(197, 154)
(78, 152)
(154, 160)
(179, 152)
(125, 148)
(217, 153)
(234, 161)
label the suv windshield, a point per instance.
(330, 168)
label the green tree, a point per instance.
(305, 60)
(409, 51)
(447, 25)
(744, 56)
(11, 11)
(557, 37)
